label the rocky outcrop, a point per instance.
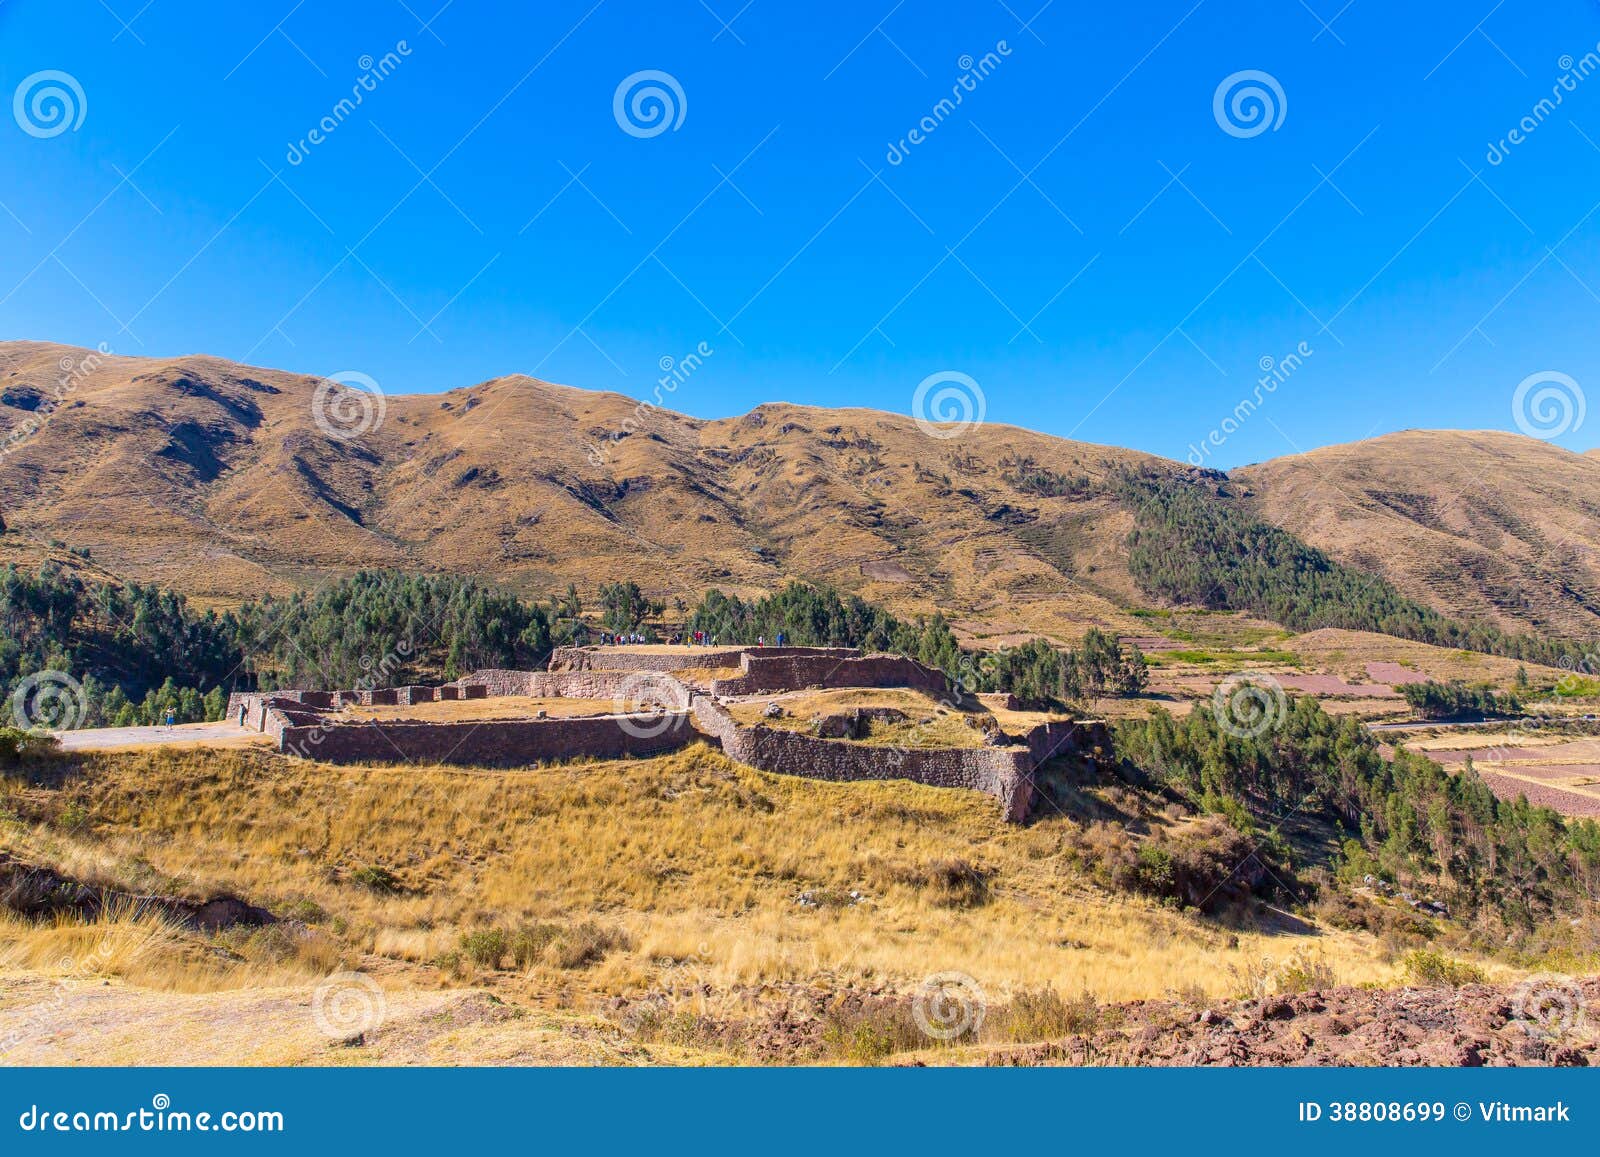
(38, 892)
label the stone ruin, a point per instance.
(653, 711)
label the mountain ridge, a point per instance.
(216, 479)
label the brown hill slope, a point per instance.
(216, 479)
(1477, 524)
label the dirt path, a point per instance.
(183, 735)
(47, 1021)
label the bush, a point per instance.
(484, 947)
(867, 1035)
(18, 746)
(1305, 974)
(529, 942)
(1430, 969)
(1044, 1015)
(376, 878)
(570, 947)
(584, 945)
(1154, 872)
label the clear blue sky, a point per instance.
(482, 211)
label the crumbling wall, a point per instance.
(1003, 772)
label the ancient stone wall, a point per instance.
(1003, 772)
(770, 674)
(491, 743)
(617, 659)
(297, 721)
(622, 659)
(623, 688)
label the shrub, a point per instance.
(484, 947)
(376, 878)
(1153, 872)
(529, 942)
(1044, 1015)
(17, 745)
(571, 946)
(1435, 970)
(1305, 973)
(867, 1035)
(306, 912)
(585, 944)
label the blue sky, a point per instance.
(1081, 235)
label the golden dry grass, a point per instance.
(689, 857)
(153, 951)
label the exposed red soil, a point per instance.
(1393, 674)
(1469, 1026)
(1542, 795)
(1333, 685)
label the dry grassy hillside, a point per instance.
(215, 479)
(1477, 524)
(684, 887)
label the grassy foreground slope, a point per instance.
(682, 891)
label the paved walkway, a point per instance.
(98, 738)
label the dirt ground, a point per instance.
(181, 735)
(1541, 1022)
(1552, 770)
